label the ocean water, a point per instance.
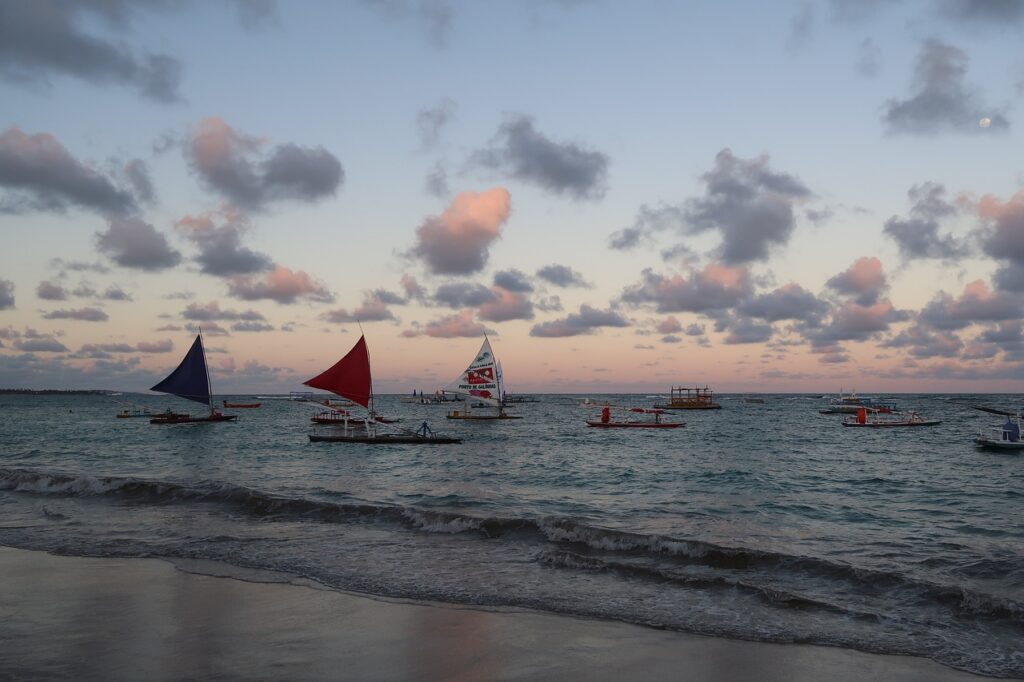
(758, 521)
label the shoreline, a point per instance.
(110, 618)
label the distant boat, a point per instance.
(1005, 437)
(481, 380)
(606, 421)
(191, 381)
(137, 412)
(681, 398)
(350, 378)
(867, 419)
(242, 405)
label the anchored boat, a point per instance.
(242, 405)
(607, 423)
(350, 378)
(481, 380)
(191, 381)
(681, 398)
(1005, 437)
(868, 419)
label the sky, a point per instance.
(788, 196)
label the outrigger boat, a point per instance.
(868, 419)
(242, 405)
(191, 381)
(340, 416)
(607, 423)
(1005, 437)
(850, 403)
(681, 398)
(481, 380)
(350, 378)
(137, 412)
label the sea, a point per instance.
(760, 521)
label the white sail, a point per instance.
(481, 378)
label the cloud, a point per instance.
(976, 304)
(457, 241)
(208, 329)
(562, 276)
(212, 311)
(433, 17)
(924, 343)
(107, 350)
(918, 236)
(587, 321)
(463, 295)
(1000, 13)
(280, 284)
(115, 293)
(46, 344)
(255, 14)
(436, 182)
(513, 280)
(460, 324)
(671, 338)
(745, 330)
(716, 287)
(413, 290)
(40, 39)
(85, 314)
(252, 327)
(940, 99)
(507, 305)
(526, 154)
(134, 243)
(42, 176)
(865, 279)
(431, 121)
(869, 58)
(165, 346)
(137, 173)
(231, 164)
(78, 266)
(788, 302)
(373, 309)
(670, 325)
(51, 292)
(220, 246)
(855, 322)
(1002, 229)
(6, 294)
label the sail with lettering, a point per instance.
(191, 379)
(481, 379)
(349, 377)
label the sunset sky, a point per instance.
(785, 196)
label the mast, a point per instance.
(369, 368)
(209, 386)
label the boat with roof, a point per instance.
(849, 403)
(350, 378)
(483, 381)
(191, 381)
(606, 420)
(682, 398)
(867, 419)
(1005, 437)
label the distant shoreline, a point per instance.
(53, 391)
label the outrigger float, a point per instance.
(350, 378)
(607, 423)
(872, 420)
(681, 398)
(191, 381)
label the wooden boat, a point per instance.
(1005, 437)
(341, 416)
(242, 405)
(482, 380)
(191, 380)
(137, 412)
(607, 423)
(350, 378)
(681, 398)
(850, 403)
(871, 420)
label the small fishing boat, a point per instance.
(588, 402)
(681, 398)
(242, 405)
(481, 380)
(868, 419)
(849, 403)
(351, 379)
(340, 416)
(607, 423)
(1005, 437)
(191, 381)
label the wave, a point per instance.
(562, 532)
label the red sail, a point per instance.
(349, 377)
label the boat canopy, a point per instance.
(349, 377)
(482, 379)
(190, 380)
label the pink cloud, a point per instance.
(460, 324)
(457, 241)
(506, 305)
(865, 279)
(670, 325)
(281, 284)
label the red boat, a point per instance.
(607, 423)
(240, 405)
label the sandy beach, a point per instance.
(89, 618)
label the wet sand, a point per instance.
(132, 619)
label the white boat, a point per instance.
(1005, 437)
(482, 380)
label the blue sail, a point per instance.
(190, 380)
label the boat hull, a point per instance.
(1005, 446)
(669, 406)
(886, 425)
(481, 417)
(249, 406)
(636, 425)
(185, 419)
(397, 439)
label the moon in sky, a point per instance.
(985, 122)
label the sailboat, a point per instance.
(191, 381)
(484, 381)
(350, 378)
